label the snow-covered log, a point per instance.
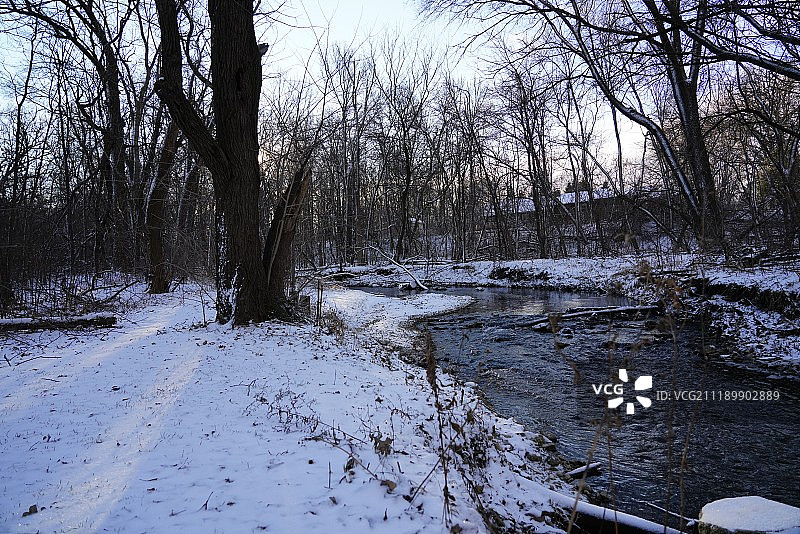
(595, 518)
(94, 320)
(415, 282)
(593, 469)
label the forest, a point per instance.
(511, 266)
(132, 143)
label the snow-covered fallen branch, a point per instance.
(594, 518)
(416, 284)
(591, 312)
(591, 470)
(95, 320)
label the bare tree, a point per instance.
(406, 87)
(628, 45)
(250, 277)
(353, 86)
(758, 119)
(231, 154)
(13, 174)
(98, 35)
(526, 90)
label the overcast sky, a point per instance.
(341, 21)
(361, 23)
(356, 23)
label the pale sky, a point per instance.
(356, 23)
(349, 22)
(359, 22)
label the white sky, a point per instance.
(353, 23)
(359, 23)
(363, 23)
(339, 21)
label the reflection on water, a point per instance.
(732, 448)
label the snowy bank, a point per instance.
(755, 310)
(386, 319)
(164, 423)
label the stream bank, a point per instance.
(734, 448)
(752, 314)
(716, 354)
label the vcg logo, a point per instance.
(616, 392)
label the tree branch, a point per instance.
(169, 88)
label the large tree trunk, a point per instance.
(231, 155)
(236, 85)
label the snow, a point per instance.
(583, 196)
(579, 273)
(752, 513)
(618, 519)
(526, 205)
(759, 334)
(579, 471)
(366, 312)
(766, 279)
(165, 423)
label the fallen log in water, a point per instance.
(611, 311)
(591, 470)
(94, 320)
(593, 518)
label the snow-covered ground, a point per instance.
(778, 279)
(767, 338)
(168, 424)
(575, 273)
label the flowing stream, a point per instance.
(676, 454)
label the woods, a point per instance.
(399, 266)
(166, 141)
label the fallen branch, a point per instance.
(57, 323)
(35, 358)
(205, 504)
(687, 521)
(595, 518)
(116, 293)
(416, 284)
(592, 469)
(546, 323)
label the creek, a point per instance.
(678, 453)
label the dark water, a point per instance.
(733, 448)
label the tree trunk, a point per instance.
(277, 252)
(159, 282)
(6, 289)
(231, 156)
(114, 144)
(708, 223)
(190, 194)
(236, 85)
